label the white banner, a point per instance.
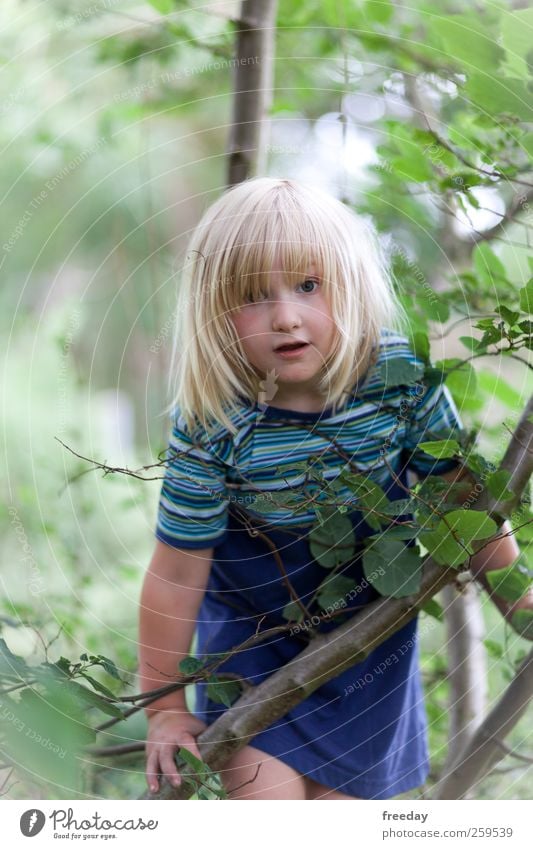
(392, 823)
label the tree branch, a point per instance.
(331, 654)
(484, 749)
(521, 202)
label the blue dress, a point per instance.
(364, 731)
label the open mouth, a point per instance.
(291, 346)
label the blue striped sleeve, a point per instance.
(193, 502)
(435, 416)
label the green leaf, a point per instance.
(469, 39)
(108, 665)
(11, 666)
(516, 28)
(461, 179)
(526, 297)
(45, 735)
(499, 95)
(421, 347)
(443, 547)
(369, 495)
(469, 342)
(412, 165)
(400, 372)
(292, 612)
(497, 485)
(436, 309)
(485, 323)
(434, 376)
(489, 268)
(508, 315)
(434, 609)
(334, 589)
(97, 686)
(165, 7)
(493, 648)
(91, 699)
(199, 767)
(491, 336)
(392, 568)
(522, 622)
(526, 143)
(223, 691)
(378, 10)
(431, 490)
(496, 387)
(441, 449)
(471, 524)
(462, 384)
(332, 541)
(450, 542)
(189, 665)
(510, 582)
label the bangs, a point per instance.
(279, 232)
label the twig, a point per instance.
(508, 751)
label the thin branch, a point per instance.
(508, 751)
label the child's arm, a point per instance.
(500, 552)
(172, 592)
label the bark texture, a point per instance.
(252, 89)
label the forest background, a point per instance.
(116, 131)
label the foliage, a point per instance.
(56, 717)
(52, 715)
(95, 220)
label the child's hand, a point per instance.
(167, 731)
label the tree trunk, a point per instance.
(467, 667)
(252, 89)
(484, 748)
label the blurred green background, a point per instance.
(115, 121)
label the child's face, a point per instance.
(293, 309)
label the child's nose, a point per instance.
(285, 315)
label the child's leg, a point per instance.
(252, 774)
(320, 791)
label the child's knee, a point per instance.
(253, 774)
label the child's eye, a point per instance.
(308, 281)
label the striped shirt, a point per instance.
(264, 467)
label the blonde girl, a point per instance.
(288, 336)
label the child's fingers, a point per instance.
(152, 771)
(168, 765)
(189, 743)
(160, 760)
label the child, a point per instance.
(286, 325)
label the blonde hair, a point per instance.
(231, 253)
